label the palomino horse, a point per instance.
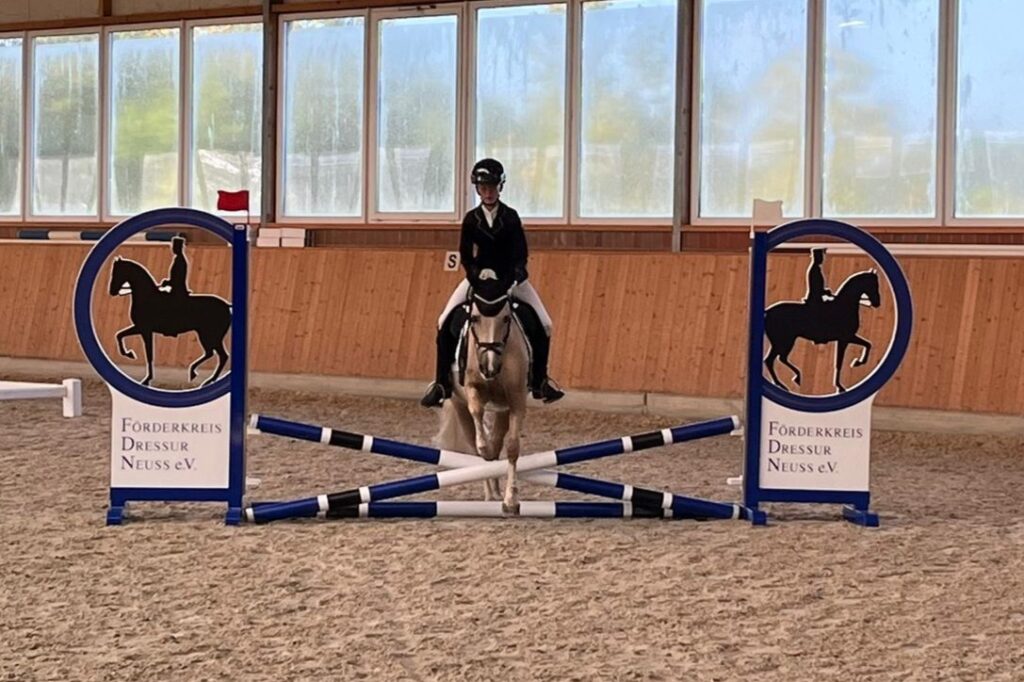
(496, 366)
(821, 322)
(155, 311)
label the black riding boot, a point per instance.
(541, 385)
(441, 389)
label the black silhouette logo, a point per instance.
(170, 309)
(821, 318)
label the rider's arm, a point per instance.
(520, 252)
(466, 249)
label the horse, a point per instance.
(156, 311)
(836, 320)
(493, 380)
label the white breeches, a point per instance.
(523, 291)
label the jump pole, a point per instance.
(332, 502)
(652, 500)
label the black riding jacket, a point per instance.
(501, 248)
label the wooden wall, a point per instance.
(673, 323)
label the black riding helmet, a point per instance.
(487, 172)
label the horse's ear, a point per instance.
(117, 258)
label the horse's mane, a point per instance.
(856, 277)
(134, 265)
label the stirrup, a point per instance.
(548, 391)
(435, 396)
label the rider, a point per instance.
(817, 292)
(178, 275)
(493, 247)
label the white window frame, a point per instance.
(696, 149)
(819, 9)
(28, 87)
(951, 43)
(19, 217)
(107, 43)
(471, 64)
(374, 214)
(813, 199)
(279, 180)
(576, 112)
(189, 105)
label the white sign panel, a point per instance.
(815, 450)
(451, 261)
(169, 447)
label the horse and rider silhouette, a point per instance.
(822, 317)
(170, 309)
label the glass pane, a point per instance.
(323, 117)
(881, 98)
(144, 93)
(628, 113)
(990, 110)
(64, 131)
(227, 87)
(753, 102)
(10, 126)
(520, 102)
(416, 114)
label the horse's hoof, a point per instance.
(129, 354)
(796, 379)
(511, 509)
(841, 389)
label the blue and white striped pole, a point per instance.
(538, 510)
(654, 500)
(479, 472)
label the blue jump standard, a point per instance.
(479, 470)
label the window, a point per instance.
(880, 108)
(65, 177)
(520, 102)
(627, 114)
(323, 117)
(752, 108)
(227, 82)
(144, 127)
(10, 126)
(417, 76)
(990, 110)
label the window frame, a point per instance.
(375, 216)
(23, 193)
(28, 88)
(471, 129)
(188, 105)
(108, 214)
(282, 69)
(576, 112)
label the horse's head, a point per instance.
(126, 276)
(863, 286)
(490, 324)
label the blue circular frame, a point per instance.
(86, 329)
(904, 314)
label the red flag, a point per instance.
(233, 201)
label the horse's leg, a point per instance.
(127, 331)
(516, 412)
(864, 354)
(222, 358)
(475, 403)
(785, 349)
(769, 362)
(207, 354)
(840, 354)
(147, 342)
(497, 437)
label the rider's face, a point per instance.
(488, 194)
